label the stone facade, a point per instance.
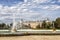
(33, 23)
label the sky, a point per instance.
(29, 10)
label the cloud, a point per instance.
(51, 7)
(24, 10)
(41, 1)
(58, 0)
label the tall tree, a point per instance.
(44, 24)
(57, 23)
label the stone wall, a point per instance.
(33, 24)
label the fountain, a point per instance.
(14, 24)
(14, 29)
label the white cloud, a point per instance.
(50, 7)
(54, 7)
(41, 1)
(58, 0)
(24, 9)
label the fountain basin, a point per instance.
(29, 31)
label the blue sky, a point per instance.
(9, 2)
(30, 10)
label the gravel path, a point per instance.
(32, 37)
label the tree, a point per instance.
(48, 25)
(11, 24)
(38, 26)
(57, 23)
(2, 26)
(44, 24)
(29, 26)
